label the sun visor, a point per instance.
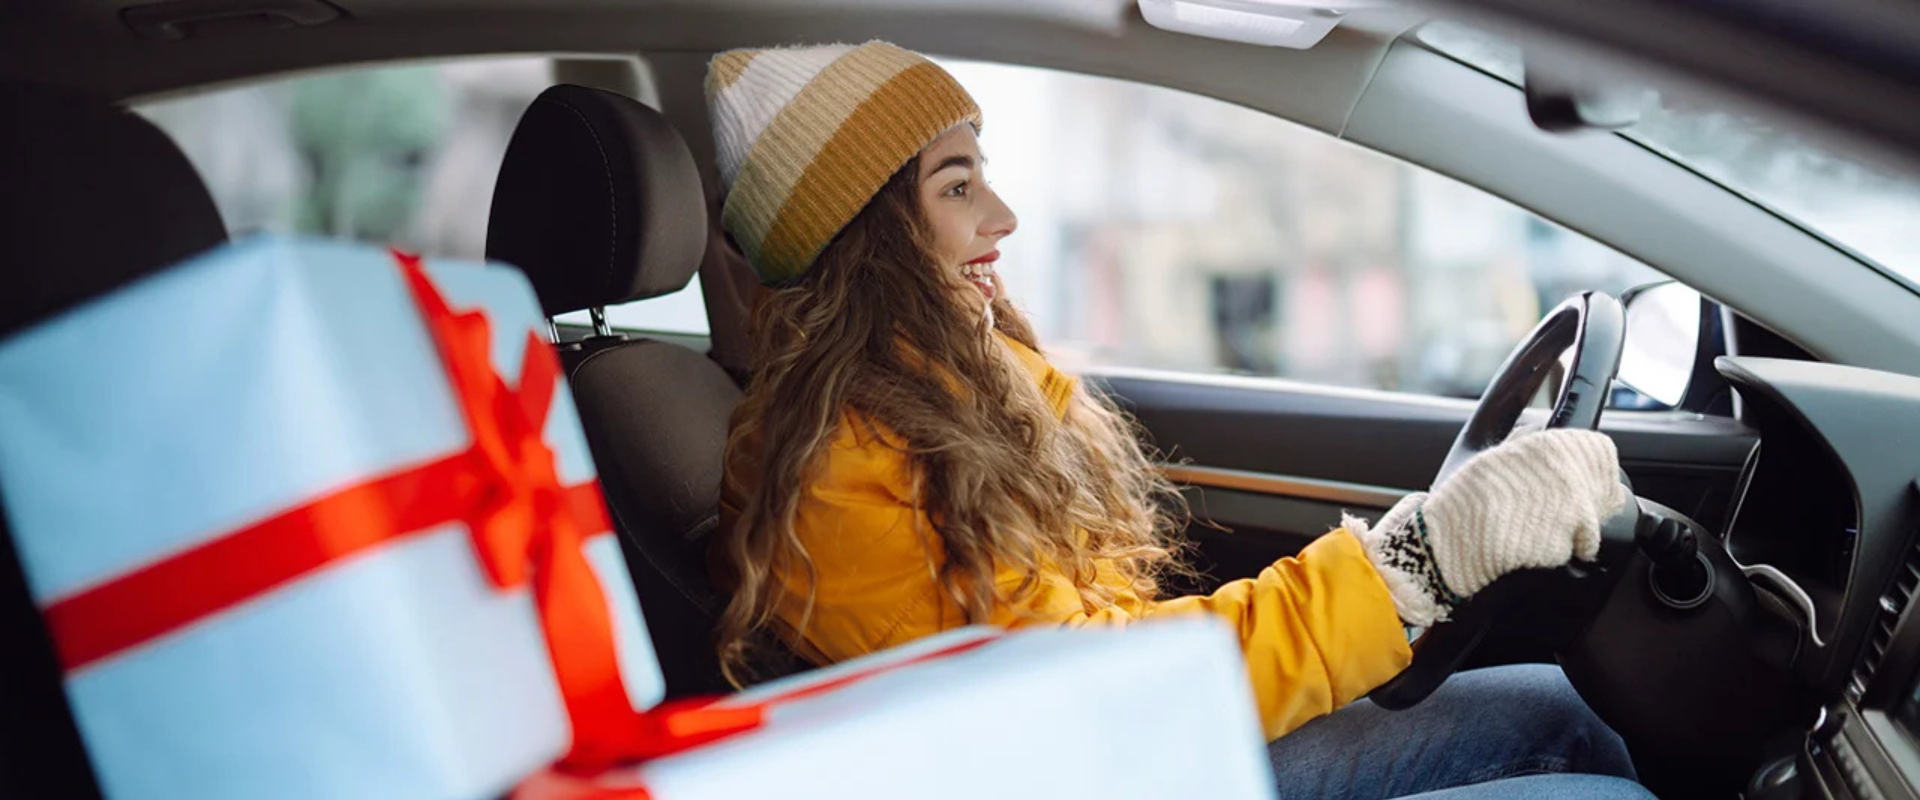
(1295, 24)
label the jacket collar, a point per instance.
(1055, 385)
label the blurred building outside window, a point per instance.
(402, 155)
(1165, 230)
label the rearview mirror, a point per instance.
(1564, 96)
(1662, 341)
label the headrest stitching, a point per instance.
(613, 206)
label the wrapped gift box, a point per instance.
(285, 508)
(1162, 709)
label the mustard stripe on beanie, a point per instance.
(805, 136)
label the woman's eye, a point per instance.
(958, 190)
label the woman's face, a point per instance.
(966, 218)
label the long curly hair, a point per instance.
(876, 327)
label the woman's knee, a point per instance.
(1537, 702)
(1541, 689)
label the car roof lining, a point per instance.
(84, 45)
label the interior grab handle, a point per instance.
(181, 19)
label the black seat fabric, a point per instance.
(656, 419)
(95, 198)
(599, 203)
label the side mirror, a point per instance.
(1663, 338)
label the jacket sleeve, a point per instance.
(1318, 630)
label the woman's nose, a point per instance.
(1000, 221)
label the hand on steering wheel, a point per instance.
(1540, 509)
(1535, 501)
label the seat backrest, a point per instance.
(95, 197)
(600, 203)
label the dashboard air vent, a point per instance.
(1880, 634)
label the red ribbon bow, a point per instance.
(523, 526)
(526, 527)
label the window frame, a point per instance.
(1701, 394)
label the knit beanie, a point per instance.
(806, 136)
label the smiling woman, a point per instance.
(905, 461)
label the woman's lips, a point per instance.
(980, 272)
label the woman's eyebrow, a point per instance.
(951, 161)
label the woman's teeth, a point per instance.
(981, 274)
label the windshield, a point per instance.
(1866, 210)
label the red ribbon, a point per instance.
(526, 528)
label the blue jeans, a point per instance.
(1489, 734)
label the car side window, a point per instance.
(403, 154)
(1171, 231)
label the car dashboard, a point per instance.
(1826, 524)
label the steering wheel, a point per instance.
(1591, 325)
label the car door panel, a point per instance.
(1268, 465)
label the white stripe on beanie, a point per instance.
(769, 82)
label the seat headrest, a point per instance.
(598, 201)
(95, 198)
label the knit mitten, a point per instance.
(1536, 500)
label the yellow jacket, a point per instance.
(1318, 630)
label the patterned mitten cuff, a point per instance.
(1402, 552)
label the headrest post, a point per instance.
(600, 326)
